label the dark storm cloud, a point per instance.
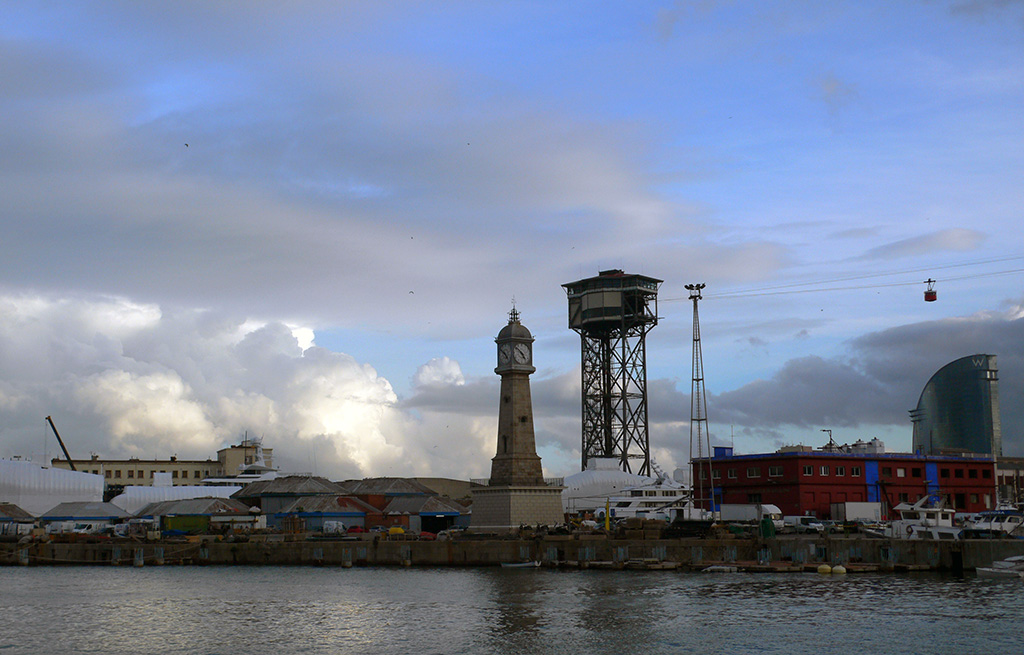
(809, 391)
(906, 357)
(882, 379)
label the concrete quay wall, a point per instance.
(583, 551)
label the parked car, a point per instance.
(832, 527)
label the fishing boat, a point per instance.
(928, 518)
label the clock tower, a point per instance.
(516, 495)
(516, 461)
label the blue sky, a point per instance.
(308, 221)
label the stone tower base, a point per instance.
(506, 508)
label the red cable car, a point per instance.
(930, 294)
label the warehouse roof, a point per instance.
(290, 485)
(195, 507)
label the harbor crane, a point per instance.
(61, 442)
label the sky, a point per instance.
(307, 221)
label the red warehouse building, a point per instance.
(802, 481)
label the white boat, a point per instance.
(661, 498)
(720, 568)
(1004, 521)
(255, 472)
(928, 518)
(1011, 567)
(626, 495)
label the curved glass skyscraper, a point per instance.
(958, 411)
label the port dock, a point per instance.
(781, 554)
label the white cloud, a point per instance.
(143, 412)
(440, 370)
(153, 383)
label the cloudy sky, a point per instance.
(307, 221)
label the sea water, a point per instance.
(390, 611)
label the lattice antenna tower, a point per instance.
(700, 435)
(613, 313)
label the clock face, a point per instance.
(504, 353)
(522, 353)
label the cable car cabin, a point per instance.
(930, 295)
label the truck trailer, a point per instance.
(850, 512)
(752, 513)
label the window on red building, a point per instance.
(840, 471)
(943, 473)
(754, 472)
(774, 471)
(887, 471)
(901, 473)
(915, 472)
(824, 470)
(753, 498)
(986, 474)
(731, 474)
(958, 473)
(974, 498)
(904, 498)
(855, 471)
(808, 470)
(973, 474)
(716, 474)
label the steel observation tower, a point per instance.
(613, 313)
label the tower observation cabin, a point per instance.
(612, 314)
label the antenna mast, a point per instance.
(700, 435)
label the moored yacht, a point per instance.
(1004, 521)
(625, 495)
(928, 518)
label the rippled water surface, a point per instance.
(390, 611)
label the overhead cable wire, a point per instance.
(782, 289)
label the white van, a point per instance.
(334, 527)
(801, 524)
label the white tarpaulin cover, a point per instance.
(37, 489)
(135, 498)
